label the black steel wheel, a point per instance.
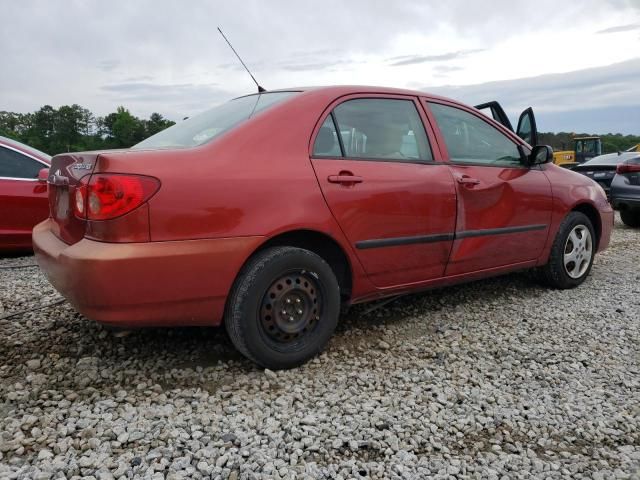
(291, 307)
(283, 308)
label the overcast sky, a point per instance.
(577, 62)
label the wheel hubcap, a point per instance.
(578, 251)
(291, 306)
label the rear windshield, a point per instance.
(208, 125)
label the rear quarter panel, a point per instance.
(256, 180)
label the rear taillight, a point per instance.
(79, 200)
(628, 168)
(106, 196)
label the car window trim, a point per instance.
(337, 129)
(383, 160)
(491, 122)
(416, 100)
(21, 179)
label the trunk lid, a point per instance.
(65, 174)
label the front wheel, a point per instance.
(572, 253)
(283, 308)
(630, 218)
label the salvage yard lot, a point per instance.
(499, 377)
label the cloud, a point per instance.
(447, 68)
(415, 59)
(600, 100)
(108, 65)
(171, 68)
(620, 28)
(173, 100)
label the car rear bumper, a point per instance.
(625, 202)
(144, 284)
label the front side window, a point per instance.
(470, 139)
(206, 126)
(377, 128)
(16, 165)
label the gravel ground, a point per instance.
(495, 379)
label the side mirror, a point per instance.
(541, 154)
(43, 175)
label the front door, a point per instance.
(504, 207)
(22, 197)
(394, 203)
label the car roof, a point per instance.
(340, 90)
(611, 158)
(25, 149)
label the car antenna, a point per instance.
(260, 89)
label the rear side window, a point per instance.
(206, 126)
(381, 128)
(470, 139)
(16, 165)
(327, 143)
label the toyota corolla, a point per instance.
(270, 212)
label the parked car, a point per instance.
(23, 197)
(625, 190)
(602, 169)
(271, 211)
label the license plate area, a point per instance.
(62, 203)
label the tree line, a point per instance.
(611, 142)
(72, 128)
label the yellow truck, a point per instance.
(585, 148)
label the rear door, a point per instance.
(504, 207)
(394, 201)
(23, 199)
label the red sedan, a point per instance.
(23, 197)
(271, 211)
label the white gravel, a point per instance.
(498, 379)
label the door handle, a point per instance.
(467, 180)
(344, 179)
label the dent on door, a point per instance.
(502, 219)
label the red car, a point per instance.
(23, 196)
(271, 211)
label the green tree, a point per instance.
(123, 129)
(157, 123)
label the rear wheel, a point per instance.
(572, 253)
(283, 308)
(631, 218)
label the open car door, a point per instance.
(497, 113)
(526, 130)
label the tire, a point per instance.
(630, 218)
(283, 307)
(560, 271)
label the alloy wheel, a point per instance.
(578, 251)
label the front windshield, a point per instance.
(206, 126)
